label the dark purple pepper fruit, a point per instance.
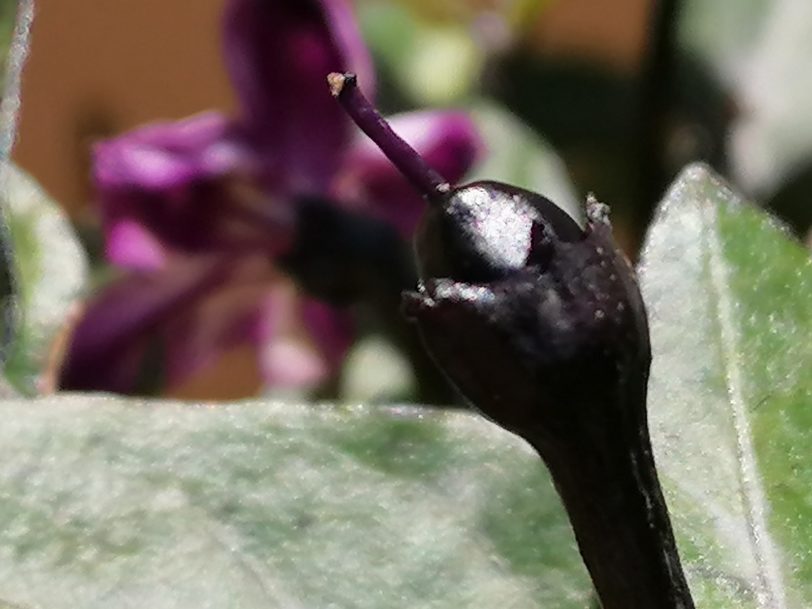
(540, 324)
(483, 231)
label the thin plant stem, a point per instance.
(425, 179)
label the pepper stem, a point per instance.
(414, 168)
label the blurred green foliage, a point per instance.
(726, 55)
(50, 276)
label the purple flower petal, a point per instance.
(128, 244)
(448, 141)
(183, 318)
(302, 341)
(123, 325)
(227, 317)
(278, 54)
(184, 187)
(164, 156)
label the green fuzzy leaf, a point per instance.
(729, 296)
(113, 504)
(45, 274)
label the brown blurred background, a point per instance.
(98, 68)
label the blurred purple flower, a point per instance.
(196, 211)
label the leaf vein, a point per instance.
(770, 593)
